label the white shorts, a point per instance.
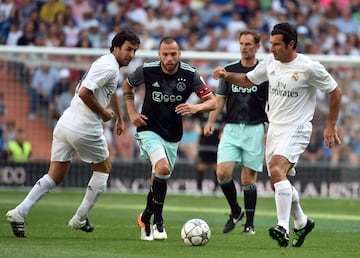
(67, 143)
(287, 141)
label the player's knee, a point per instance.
(162, 168)
(222, 175)
(104, 166)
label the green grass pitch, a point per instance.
(116, 234)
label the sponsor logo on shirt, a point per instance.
(239, 89)
(158, 96)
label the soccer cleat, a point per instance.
(248, 230)
(233, 219)
(145, 230)
(279, 234)
(159, 231)
(300, 234)
(16, 222)
(84, 225)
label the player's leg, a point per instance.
(278, 168)
(61, 153)
(17, 216)
(143, 219)
(200, 170)
(248, 181)
(95, 152)
(96, 186)
(302, 224)
(253, 162)
(228, 156)
(224, 174)
(162, 174)
(283, 149)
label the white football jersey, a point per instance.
(102, 79)
(292, 87)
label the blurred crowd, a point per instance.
(328, 27)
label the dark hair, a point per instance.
(289, 32)
(169, 40)
(121, 37)
(253, 33)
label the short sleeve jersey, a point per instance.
(243, 105)
(102, 79)
(163, 93)
(292, 87)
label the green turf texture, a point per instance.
(116, 234)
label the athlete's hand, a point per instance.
(138, 119)
(185, 109)
(331, 136)
(119, 126)
(208, 129)
(219, 72)
(108, 114)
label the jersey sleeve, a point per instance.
(98, 76)
(258, 75)
(136, 78)
(200, 87)
(222, 89)
(321, 79)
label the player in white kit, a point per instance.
(80, 131)
(293, 81)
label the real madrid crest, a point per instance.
(295, 76)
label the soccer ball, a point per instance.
(195, 232)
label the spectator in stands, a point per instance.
(24, 10)
(79, 7)
(3, 108)
(7, 15)
(42, 84)
(207, 149)
(14, 34)
(314, 151)
(3, 152)
(28, 37)
(64, 100)
(9, 131)
(125, 146)
(50, 9)
(19, 149)
(63, 85)
(354, 156)
(71, 33)
(206, 12)
(346, 23)
(171, 24)
(189, 141)
(53, 38)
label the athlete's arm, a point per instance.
(235, 78)
(331, 136)
(119, 124)
(87, 96)
(208, 104)
(209, 127)
(136, 119)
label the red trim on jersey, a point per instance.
(203, 91)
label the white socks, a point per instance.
(283, 199)
(300, 219)
(42, 187)
(96, 186)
